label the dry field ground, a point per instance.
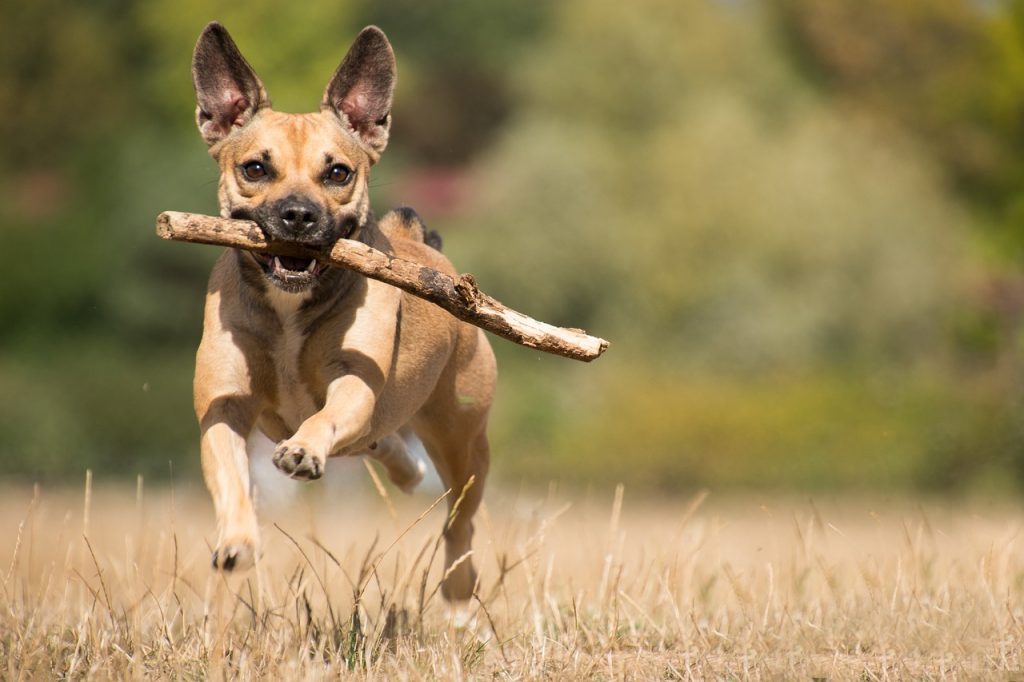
(592, 587)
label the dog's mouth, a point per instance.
(288, 273)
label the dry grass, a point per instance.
(119, 585)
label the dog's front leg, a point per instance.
(226, 472)
(361, 366)
(227, 406)
(345, 418)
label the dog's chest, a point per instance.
(295, 399)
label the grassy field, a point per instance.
(112, 582)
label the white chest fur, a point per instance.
(294, 400)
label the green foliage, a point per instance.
(454, 91)
(796, 221)
(873, 429)
(98, 123)
(783, 279)
(741, 227)
(947, 73)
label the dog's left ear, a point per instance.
(361, 90)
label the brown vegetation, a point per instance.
(120, 586)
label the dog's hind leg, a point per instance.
(404, 470)
(462, 466)
(453, 428)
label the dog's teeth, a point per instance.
(277, 264)
(311, 267)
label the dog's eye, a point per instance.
(339, 174)
(254, 170)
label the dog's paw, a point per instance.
(234, 556)
(298, 462)
(410, 478)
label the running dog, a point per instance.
(324, 361)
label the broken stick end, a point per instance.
(602, 346)
(163, 226)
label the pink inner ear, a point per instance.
(236, 107)
(354, 107)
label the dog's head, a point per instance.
(304, 178)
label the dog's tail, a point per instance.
(404, 223)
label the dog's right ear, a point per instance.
(228, 91)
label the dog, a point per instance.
(324, 361)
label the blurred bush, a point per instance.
(796, 221)
(795, 292)
(101, 319)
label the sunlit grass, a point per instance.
(112, 582)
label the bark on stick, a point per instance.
(459, 296)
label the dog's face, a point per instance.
(304, 178)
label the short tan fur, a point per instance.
(324, 361)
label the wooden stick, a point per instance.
(460, 297)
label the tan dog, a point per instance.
(324, 361)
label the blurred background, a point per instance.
(801, 225)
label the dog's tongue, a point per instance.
(294, 263)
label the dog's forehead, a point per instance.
(299, 137)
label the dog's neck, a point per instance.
(287, 304)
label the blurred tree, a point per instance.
(750, 199)
(949, 73)
(671, 182)
(97, 118)
(710, 213)
(62, 78)
(456, 71)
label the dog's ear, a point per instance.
(228, 91)
(361, 90)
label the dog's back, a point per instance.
(405, 223)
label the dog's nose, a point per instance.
(298, 215)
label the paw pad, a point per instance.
(297, 463)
